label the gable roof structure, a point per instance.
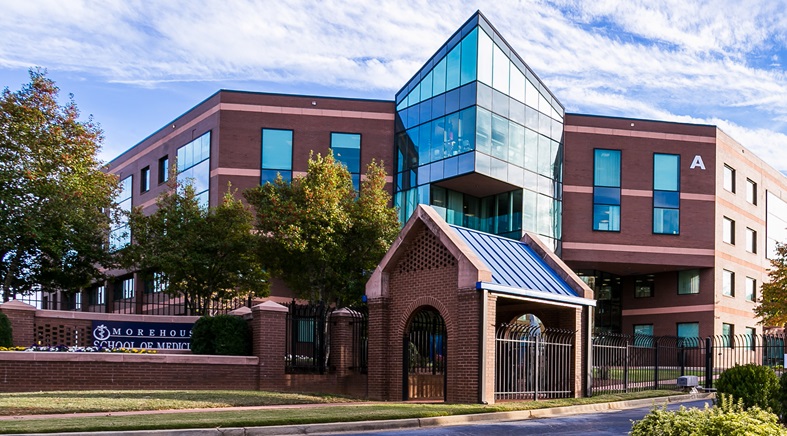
(524, 268)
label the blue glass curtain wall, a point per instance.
(666, 194)
(194, 166)
(276, 155)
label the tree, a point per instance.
(203, 254)
(773, 301)
(54, 198)
(319, 235)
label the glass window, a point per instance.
(728, 230)
(728, 283)
(751, 191)
(688, 334)
(501, 70)
(666, 195)
(277, 152)
(606, 218)
(751, 289)
(469, 57)
(438, 78)
(643, 329)
(483, 139)
(727, 333)
(347, 150)
(689, 282)
(775, 223)
(643, 286)
(120, 233)
(194, 165)
(729, 178)
(144, 180)
(665, 172)
(452, 68)
(751, 240)
(426, 87)
(163, 169)
(606, 168)
(485, 47)
(751, 337)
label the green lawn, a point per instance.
(644, 374)
(156, 400)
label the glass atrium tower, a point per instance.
(480, 139)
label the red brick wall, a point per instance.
(23, 372)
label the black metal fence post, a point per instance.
(656, 368)
(626, 369)
(708, 364)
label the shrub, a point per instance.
(753, 385)
(221, 335)
(726, 418)
(6, 337)
(202, 336)
(232, 336)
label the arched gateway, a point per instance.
(440, 295)
(425, 356)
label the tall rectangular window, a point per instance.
(751, 191)
(606, 190)
(728, 283)
(144, 180)
(276, 155)
(666, 194)
(688, 334)
(163, 169)
(729, 178)
(124, 289)
(751, 240)
(194, 166)
(347, 150)
(728, 230)
(643, 286)
(751, 337)
(727, 333)
(689, 282)
(751, 289)
(120, 233)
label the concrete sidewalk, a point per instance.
(361, 426)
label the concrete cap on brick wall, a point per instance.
(270, 306)
(16, 305)
(241, 311)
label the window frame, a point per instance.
(728, 338)
(644, 282)
(144, 180)
(355, 176)
(682, 273)
(751, 240)
(610, 205)
(263, 168)
(728, 230)
(750, 296)
(682, 338)
(676, 192)
(163, 169)
(751, 191)
(731, 274)
(728, 171)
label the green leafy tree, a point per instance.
(54, 197)
(203, 254)
(319, 235)
(772, 307)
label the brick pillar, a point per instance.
(109, 296)
(269, 336)
(379, 347)
(139, 292)
(488, 334)
(342, 342)
(22, 317)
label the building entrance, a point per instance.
(425, 356)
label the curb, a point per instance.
(407, 423)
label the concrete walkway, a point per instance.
(362, 426)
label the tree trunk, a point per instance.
(9, 276)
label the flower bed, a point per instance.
(65, 349)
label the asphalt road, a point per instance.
(607, 423)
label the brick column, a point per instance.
(488, 361)
(342, 350)
(269, 336)
(22, 317)
(379, 347)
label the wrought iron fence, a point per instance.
(625, 363)
(360, 329)
(533, 363)
(307, 338)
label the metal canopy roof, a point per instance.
(517, 269)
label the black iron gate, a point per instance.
(307, 348)
(425, 357)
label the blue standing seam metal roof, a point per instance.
(513, 263)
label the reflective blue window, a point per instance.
(452, 68)
(276, 154)
(347, 150)
(469, 55)
(194, 166)
(466, 130)
(606, 218)
(499, 137)
(438, 78)
(483, 138)
(666, 194)
(485, 48)
(665, 172)
(606, 189)
(688, 330)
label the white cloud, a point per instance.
(703, 60)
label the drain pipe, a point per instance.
(482, 357)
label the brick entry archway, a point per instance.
(425, 354)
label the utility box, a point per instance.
(688, 381)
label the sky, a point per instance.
(136, 65)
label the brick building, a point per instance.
(670, 224)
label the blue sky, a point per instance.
(136, 65)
